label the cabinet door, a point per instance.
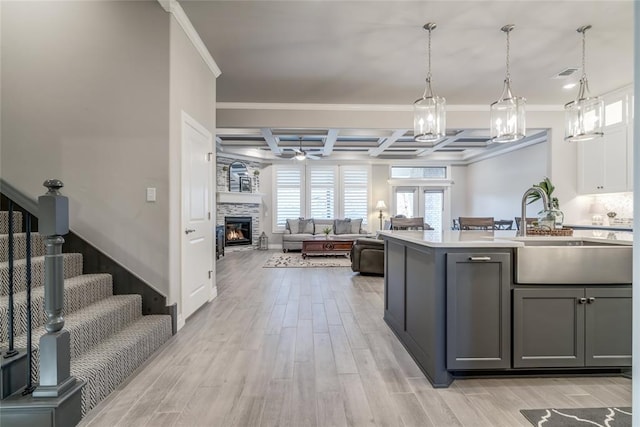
(615, 159)
(394, 280)
(548, 327)
(591, 166)
(478, 311)
(608, 327)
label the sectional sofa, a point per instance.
(300, 229)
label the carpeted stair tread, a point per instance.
(108, 364)
(72, 267)
(92, 324)
(79, 292)
(4, 222)
(20, 246)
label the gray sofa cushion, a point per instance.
(342, 226)
(356, 225)
(305, 226)
(293, 225)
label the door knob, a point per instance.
(189, 230)
(582, 300)
(591, 300)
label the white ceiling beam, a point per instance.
(384, 143)
(271, 140)
(443, 143)
(330, 141)
(219, 144)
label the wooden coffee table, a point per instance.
(323, 246)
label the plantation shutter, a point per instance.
(356, 193)
(288, 191)
(322, 185)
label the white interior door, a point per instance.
(197, 229)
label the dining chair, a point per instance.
(476, 222)
(503, 224)
(530, 222)
(409, 224)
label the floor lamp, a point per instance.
(381, 206)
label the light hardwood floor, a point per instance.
(308, 347)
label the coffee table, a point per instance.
(323, 246)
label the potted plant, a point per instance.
(326, 232)
(550, 216)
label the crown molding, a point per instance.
(174, 8)
(360, 107)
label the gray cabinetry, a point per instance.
(478, 311)
(571, 327)
(394, 300)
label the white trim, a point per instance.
(174, 8)
(229, 197)
(361, 107)
(180, 322)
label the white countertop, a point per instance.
(499, 238)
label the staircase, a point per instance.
(110, 337)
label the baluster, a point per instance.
(11, 351)
(29, 388)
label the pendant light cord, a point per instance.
(584, 43)
(508, 77)
(429, 57)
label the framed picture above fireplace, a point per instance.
(245, 184)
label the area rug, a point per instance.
(295, 260)
(604, 417)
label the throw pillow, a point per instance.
(342, 226)
(305, 226)
(293, 225)
(356, 225)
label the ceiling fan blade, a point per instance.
(312, 156)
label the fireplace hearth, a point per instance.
(237, 230)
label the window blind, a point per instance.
(355, 203)
(288, 195)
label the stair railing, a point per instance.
(11, 351)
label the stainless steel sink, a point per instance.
(572, 262)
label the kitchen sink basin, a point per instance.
(572, 261)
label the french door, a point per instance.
(429, 202)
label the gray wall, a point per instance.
(93, 94)
(85, 99)
(495, 186)
(192, 89)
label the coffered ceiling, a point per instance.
(374, 52)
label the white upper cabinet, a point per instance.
(605, 165)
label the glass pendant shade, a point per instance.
(507, 121)
(584, 117)
(429, 117)
(429, 111)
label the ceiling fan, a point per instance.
(301, 153)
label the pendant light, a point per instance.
(429, 111)
(584, 116)
(508, 113)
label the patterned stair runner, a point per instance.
(110, 337)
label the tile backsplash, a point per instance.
(620, 203)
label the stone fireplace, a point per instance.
(237, 230)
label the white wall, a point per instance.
(192, 89)
(458, 191)
(495, 186)
(85, 96)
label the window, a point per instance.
(355, 193)
(430, 202)
(288, 195)
(422, 172)
(322, 185)
(311, 191)
(613, 113)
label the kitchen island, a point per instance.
(457, 303)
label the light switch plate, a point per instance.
(151, 194)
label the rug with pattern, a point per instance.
(604, 417)
(295, 260)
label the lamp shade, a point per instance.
(381, 205)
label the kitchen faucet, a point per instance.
(523, 217)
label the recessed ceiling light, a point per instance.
(569, 86)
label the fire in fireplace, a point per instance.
(237, 230)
